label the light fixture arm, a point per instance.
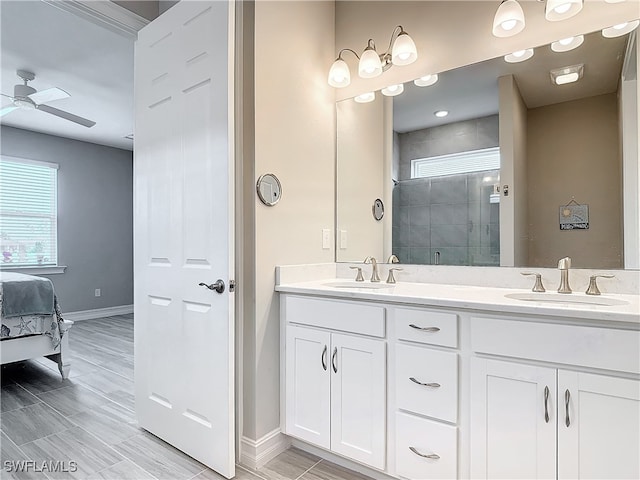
(347, 50)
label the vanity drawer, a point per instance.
(596, 347)
(427, 438)
(439, 369)
(425, 326)
(355, 317)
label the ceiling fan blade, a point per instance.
(6, 110)
(49, 95)
(67, 116)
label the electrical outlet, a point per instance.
(326, 239)
(98, 292)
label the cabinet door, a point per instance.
(308, 385)
(513, 420)
(598, 426)
(358, 407)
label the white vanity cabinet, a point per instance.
(335, 390)
(525, 417)
(424, 389)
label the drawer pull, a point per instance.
(567, 397)
(432, 456)
(425, 329)
(432, 385)
(324, 358)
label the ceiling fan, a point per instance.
(28, 98)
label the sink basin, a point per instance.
(567, 299)
(352, 284)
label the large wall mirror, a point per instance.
(484, 185)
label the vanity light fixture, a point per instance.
(614, 1)
(564, 75)
(509, 19)
(365, 97)
(393, 90)
(441, 113)
(426, 81)
(401, 51)
(556, 10)
(519, 56)
(567, 44)
(620, 29)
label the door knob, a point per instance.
(218, 286)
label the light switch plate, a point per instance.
(343, 239)
(326, 239)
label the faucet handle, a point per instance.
(391, 278)
(359, 277)
(593, 286)
(538, 287)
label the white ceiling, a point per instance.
(472, 91)
(93, 64)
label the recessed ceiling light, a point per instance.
(441, 113)
(562, 76)
(426, 81)
(519, 56)
(567, 44)
(393, 90)
(620, 29)
(365, 97)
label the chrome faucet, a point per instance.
(564, 264)
(374, 271)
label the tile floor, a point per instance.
(89, 418)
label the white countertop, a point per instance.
(476, 298)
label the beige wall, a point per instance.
(360, 178)
(572, 156)
(449, 34)
(294, 139)
(513, 173)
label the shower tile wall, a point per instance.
(447, 217)
(450, 215)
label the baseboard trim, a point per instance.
(98, 313)
(256, 453)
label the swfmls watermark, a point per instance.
(50, 466)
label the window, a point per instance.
(28, 212)
(456, 163)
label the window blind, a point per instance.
(456, 163)
(28, 212)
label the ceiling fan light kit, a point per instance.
(25, 97)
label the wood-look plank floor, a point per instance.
(89, 419)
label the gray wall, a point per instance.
(95, 216)
(450, 138)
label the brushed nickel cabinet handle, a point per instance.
(333, 360)
(432, 456)
(567, 397)
(324, 358)
(546, 404)
(425, 329)
(432, 385)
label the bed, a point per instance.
(32, 324)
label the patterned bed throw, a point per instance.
(29, 307)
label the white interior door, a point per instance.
(184, 334)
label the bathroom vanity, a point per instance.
(425, 381)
